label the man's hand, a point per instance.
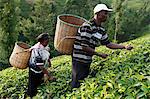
(102, 55)
(128, 47)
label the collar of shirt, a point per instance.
(37, 45)
(94, 23)
(95, 26)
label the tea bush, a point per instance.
(124, 74)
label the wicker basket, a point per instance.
(66, 30)
(20, 55)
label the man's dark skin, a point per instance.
(99, 18)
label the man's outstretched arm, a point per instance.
(118, 46)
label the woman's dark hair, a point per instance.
(43, 36)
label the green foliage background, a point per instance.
(32, 17)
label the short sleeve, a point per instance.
(105, 40)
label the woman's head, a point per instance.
(43, 39)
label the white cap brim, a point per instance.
(109, 10)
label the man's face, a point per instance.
(102, 15)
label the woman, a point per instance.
(39, 60)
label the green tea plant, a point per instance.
(123, 75)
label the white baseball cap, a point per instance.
(100, 7)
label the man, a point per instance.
(90, 35)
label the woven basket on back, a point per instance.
(20, 55)
(66, 30)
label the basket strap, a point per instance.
(70, 37)
(67, 37)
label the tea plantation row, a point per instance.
(123, 75)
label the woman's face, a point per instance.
(45, 42)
